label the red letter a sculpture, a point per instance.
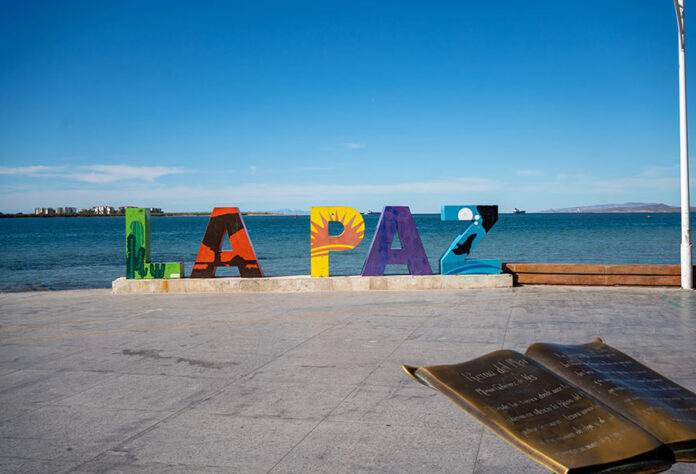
(226, 220)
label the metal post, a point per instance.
(687, 277)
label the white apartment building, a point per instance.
(66, 210)
(103, 210)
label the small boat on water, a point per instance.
(519, 211)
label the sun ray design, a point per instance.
(322, 243)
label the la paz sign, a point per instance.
(228, 222)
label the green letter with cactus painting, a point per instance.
(138, 249)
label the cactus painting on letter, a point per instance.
(138, 249)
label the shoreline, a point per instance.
(272, 214)
(165, 214)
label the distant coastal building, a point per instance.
(66, 210)
(153, 210)
(94, 210)
(103, 210)
(44, 211)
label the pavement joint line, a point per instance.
(507, 323)
(248, 376)
(201, 377)
(207, 324)
(135, 410)
(117, 444)
(32, 366)
(190, 405)
(502, 346)
(55, 402)
(67, 461)
(28, 412)
(357, 387)
(9, 329)
(478, 449)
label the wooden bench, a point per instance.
(591, 274)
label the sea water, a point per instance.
(70, 253)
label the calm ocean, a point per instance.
(69, 253)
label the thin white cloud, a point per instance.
(648, 177)
(26, 170)
(651, 179)
(253, 170)
(100, 174)
(96, 174)
(353, 145)
(528, 172)
(248, 196)
(422, 196)
(126, 185)
(266, 192)
(330, 191)
(655, 171)
(611, 186)
(566, 176)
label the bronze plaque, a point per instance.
(658, 405)
(545, 417)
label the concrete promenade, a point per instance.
(91, 381)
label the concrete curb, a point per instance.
(305, 283)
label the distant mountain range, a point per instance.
(296, 212)
(625, 207)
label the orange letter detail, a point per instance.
(226, 220)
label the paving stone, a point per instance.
(298, 401)
(71, 433)
(349, 447)
(146, 392)
(25, 390)
(243, 444)
(290, 382)
(35, 466)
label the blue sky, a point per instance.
(268, 105)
